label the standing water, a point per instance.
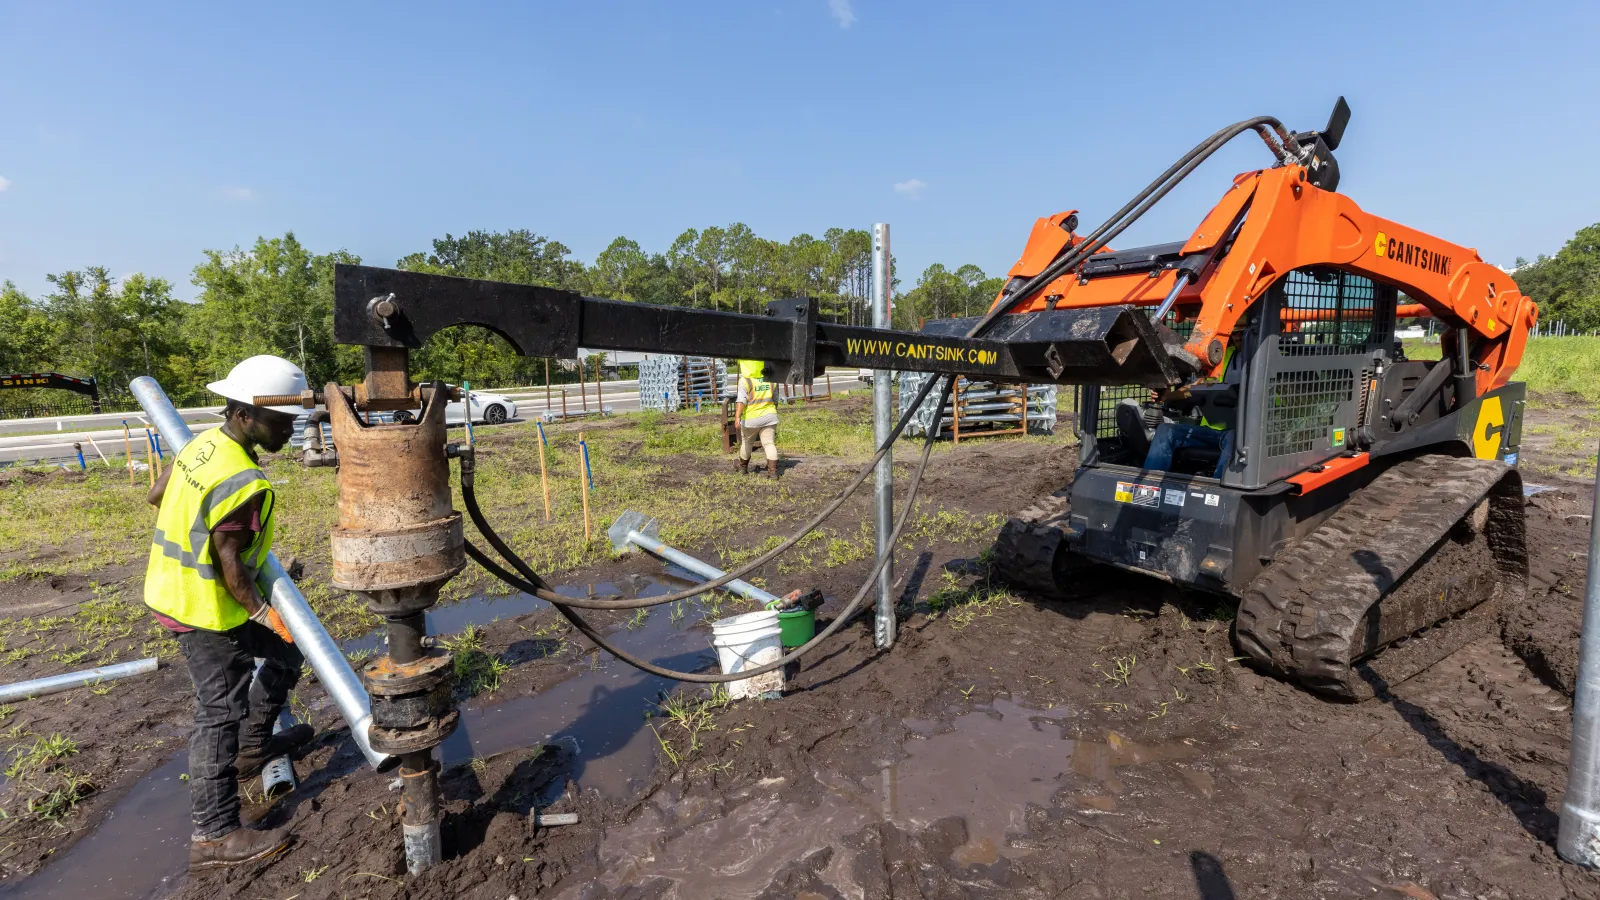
(140, 850)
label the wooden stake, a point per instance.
(583, 481)
(127, 449)
(152, 439)
(547, 382)
(583, 387)
(563, 403)
(99, 451)
(149, 461)
(544, 481)
(599, 404)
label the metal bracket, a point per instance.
(800, 367)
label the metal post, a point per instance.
(1579, 838)
(882, 423)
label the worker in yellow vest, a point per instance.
(213, 533)
(756, 416)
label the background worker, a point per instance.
(755, 415)
(213, 532)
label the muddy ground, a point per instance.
(1008, 746)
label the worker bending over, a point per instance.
(213, 533)
(756, 416)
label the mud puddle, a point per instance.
(986, 767)
(140, 850)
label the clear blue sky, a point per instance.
(135, 135)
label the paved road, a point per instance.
(101, 433)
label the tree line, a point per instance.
(277, 297)
(1567, 285)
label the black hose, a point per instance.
(541, 590)
(562, 604)
(1124, 217)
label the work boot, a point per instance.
(772, 469)
(250, 763)
(743, 466)
(239, 846)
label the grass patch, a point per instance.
(477, 671)
(685, 717)
(1551, 367)
(964, 605)
(38, 783)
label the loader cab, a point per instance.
(1293, 394)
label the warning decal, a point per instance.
(1138, 494)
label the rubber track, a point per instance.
(1025, 550)
(1310, 616)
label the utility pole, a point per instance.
(882, 423)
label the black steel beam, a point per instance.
(1112, 345)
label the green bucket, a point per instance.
(797, 626)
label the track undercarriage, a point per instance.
(1409, 569)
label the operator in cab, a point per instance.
(213, 533)
(755, 416)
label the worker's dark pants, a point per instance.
(233, 706)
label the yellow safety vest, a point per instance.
(211, 477)
(760, 402)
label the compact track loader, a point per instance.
(1250, 425)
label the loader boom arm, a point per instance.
(1288, 223)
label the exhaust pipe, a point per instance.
(332, 669)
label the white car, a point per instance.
(487, 409)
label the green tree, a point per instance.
(473, 353)
(112, 331)
(276, 297)
(1566, 286)
(26, 332)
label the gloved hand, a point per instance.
(266, 615)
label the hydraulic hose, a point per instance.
(541, 590)
(1128, 214)
(562, 604)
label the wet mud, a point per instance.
(1009, 746)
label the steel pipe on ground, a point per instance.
(634, 529)
(313, 641)
(55, 684)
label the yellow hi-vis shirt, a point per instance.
(759, 402)
(211, 477)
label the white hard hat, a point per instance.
(262, 376)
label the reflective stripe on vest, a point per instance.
(760, 402)
(212, 476)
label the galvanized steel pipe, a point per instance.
(883, 627)
(326, 660)
(55, 684)
(1579, 838)
(632, 528)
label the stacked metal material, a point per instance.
(670, 383)
(986, 405)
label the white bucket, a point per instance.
(746, 642)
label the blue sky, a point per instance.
(135, 135)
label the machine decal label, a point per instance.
(1411, 254)
(1172, 497)
(1338, 437)
(1213, 499)
(1138, 494)
(1511, 459)
(1489, 429)
(915, 350)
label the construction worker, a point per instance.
(213, 533)
(756, 416)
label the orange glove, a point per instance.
(266, 615)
